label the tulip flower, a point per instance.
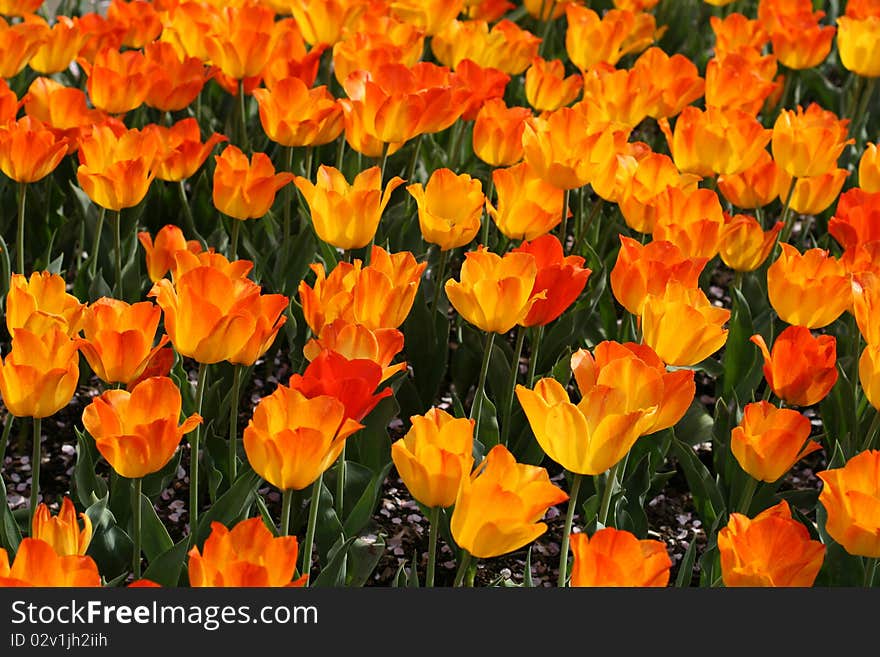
(810, 289)
(62, 531)
(799, 41)
(527, 206)
(118, 82)
(41, 302)
(505, 46)
(869, 375)
(61, 46)
(499, 506)
(19, 42)
(181, 151)
(139, 17)
(736, 32)
(324, 22)
(590, 39)
(869, 169)
(37, 564)
(246, 189)
(290, 57)
(768, 441)
(479, 84)
(431, 16)
(745, 245)
(849, 495)
(613, 183)
(801, 368)
(546, 86)
(247, 555)
(159, 254)
(19, 7)
(620, 97)
(682, 325)
(652, 175)
(346, 216)
(544, 11)
(676, 77)
(241, 42)
(101, 33)
(356, 341)
(119, 338)
(857, 43)
(175, 81)
(613, 557)
(498, 129)
(294, 115)
(377, 296)
(562, 278)
(137, 431)
(808, 143)
(771, 549)
(62, 109)
(740, 81)
(391, 41)
(755, 187)
(450, 208)
(691, 219)
(646, 269)
(866, 305)
(815, 194)
(856, 220)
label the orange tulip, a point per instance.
(562, 278)
(849, 495)
(186, 27)
(692, 220)
(505, 46)
(116, 169)
(799, 41)
(638, 372)
(866, 305)
(861, 9)
(756, 186)
(241, 41)
(431, 16)
(140, 19)
(495, 292)
(715, 141)
(248, 555)
(613, 557)
(815, 194)
(810, 289)
(246, 189)
(737, 81)
(355, 341)
(546, 11)
(450, 208)
(294, 115)
(63, 41)
(117, 81)
(622, 97)
(590, 39)
(119, 337)
(614, 180)
(856, 220)
(869, 169)
(546, 86)
(478, 84)
(9, 103)
(857, 43)
(434, 456)
(528, 206)
(745, 245)
(487, 10)
(290, 57)
(771, 549)
(62, 109)
(808, 143)
(768, 441)
(291, 438)
(39, 375)
(642, 270)
(37, 564)
(801, 369)
(325, 21)
(737, 32)
(160, 254)
(30, 151)
(19, 7)
(498, 129)
(213, 315)
(675, 77)
(567, 150)
(344, 215)
(175, 81)
(635, 5)
(137, 431)
(181, 151)
(498, 507)
(100, 33)
(19, 42)
(62, 531)
(653, 173)
(40, 303)
(400, 43)
(682, 325)
(869, 373)
(595, 434)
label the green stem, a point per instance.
(788, 224)
(547, 23)
(566, 530)
(136, 524)
(610, 482)
(242, 116)
(563, 225)
(410, 172)
(117, 255)
(533, 355)
(233, 240)
(869, 437)
(745, 500)
(384, 159)
(288, 193)
(35, 472)
(432, 546)
(19, 247)
(188, 213)
(310, 528)
(582, 235)
(487, 219)
(233, 422)
(4, 439)
(511, 387)
(340, 152)
(438, 281)
(340, 482)
(194, 453)
(477, 406)
(286, 499)
(870, 569)
(463, 566)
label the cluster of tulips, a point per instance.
(555, 215)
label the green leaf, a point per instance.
(85, 482)
(686, 568)
(740, 356)
(363, 510)
(166, 568)
(334, 573)
(329, 529)
(231, 505)
(111, 548)
(371, 446)
(696, 425)
(487, 430)
(10, 533)
(363, 557)
(154, 536)
(708, 499)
